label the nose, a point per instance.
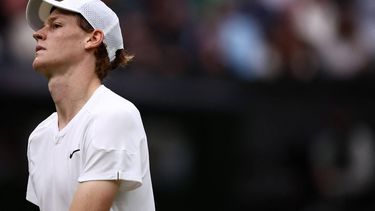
(38, 35)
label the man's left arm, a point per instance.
(95, 195)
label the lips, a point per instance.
(38, 48)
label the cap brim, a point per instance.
(37, 11)
(32, 14)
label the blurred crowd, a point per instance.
(240, 39)
(275, 150)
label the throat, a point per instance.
(70, 92)
(68, 100)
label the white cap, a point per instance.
(97, 13)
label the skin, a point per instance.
(65, 56)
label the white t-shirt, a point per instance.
(104, 141)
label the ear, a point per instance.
(94, 39)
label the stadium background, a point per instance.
(248, 105)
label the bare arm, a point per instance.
(94, 196)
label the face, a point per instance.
(60, 43)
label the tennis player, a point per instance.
(91, 154)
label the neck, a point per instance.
(70, 92)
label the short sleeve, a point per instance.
(30, 192)
(112, 149)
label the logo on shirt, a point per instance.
(71, 154)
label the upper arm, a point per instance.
(94, 195)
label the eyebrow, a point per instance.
(51, 19)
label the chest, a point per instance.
(55, 163)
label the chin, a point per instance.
(36, 64)
(39, 66)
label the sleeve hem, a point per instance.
(32, 200)
(129, 182)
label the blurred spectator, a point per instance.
(296, 58)
(170, 22)
(365, 13)
(139, 40)
(208, 50)
(20, 38)
(343, 162)
(241, 43)
(17, 35)
(331, 30)
(277, 6)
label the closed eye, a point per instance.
(56, 25)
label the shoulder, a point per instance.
(116, 122)
(110, 104)
(46, 124)
(40, 136)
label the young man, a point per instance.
(91, 154)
